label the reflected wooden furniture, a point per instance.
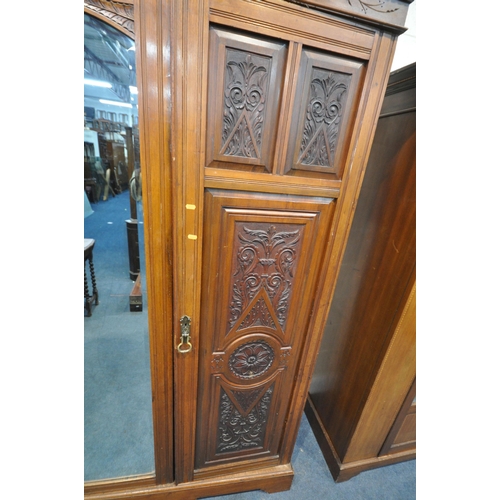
(257, 118)
(88, 258)
(90, 183)
(135, 297)
(115, 153)
(361, 404)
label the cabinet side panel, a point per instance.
(376, 273)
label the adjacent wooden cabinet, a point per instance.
(362, 404)
(256, 122)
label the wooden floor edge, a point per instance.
(101, 486)
(270, 480)
(344, 471)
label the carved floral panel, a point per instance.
(264, 263)
(245, 95)
(325, 108)
(237, 432)
(323, 112)
(244, 88)
(259, 263)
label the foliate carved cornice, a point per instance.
(374, 5)
(388, 12)
(119, 14)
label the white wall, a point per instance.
(94, 103)
(406, 46)
(91, 136)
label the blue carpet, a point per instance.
(117, 382)
(118, 420)
(313, 479)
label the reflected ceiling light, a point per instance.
(97, 83)
(116, 103)
(133, 90)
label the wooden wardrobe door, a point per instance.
(261, 260)
(258, 238)
(245, 78)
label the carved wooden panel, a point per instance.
(323, 113)
(263, 257)
(120, 14)
(392, 12)
(245, 75)
(239, 429)
(264, 271)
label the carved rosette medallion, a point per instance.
(251, 360)
(245, 91)
(237, 432)
(263, 276)
(328, 91)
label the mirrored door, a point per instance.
(118, 413)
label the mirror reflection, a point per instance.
(118, 416)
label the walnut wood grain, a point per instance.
(323, 114)
(280, 19)
(245, 81)
(403, 434)
(262, 255)
(270, 479)
(189, 48)
(255, 357)
(155, 134)
(391, 13)
(366, 362)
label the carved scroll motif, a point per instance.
(327, 95)
(258, 316)
(237, 432)
(246, 398)
(119, 14)
(265, 263)
(375, 5)
(244, 104)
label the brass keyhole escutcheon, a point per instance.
(185, 335)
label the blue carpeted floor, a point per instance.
(313, 479)
(118, 419)
(117, 383)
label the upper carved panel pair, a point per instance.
(246, 108)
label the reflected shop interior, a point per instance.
(117, 382)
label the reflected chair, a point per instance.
(88, 256)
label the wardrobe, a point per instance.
(362, 397)
(256, 120)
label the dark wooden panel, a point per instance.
(323, 113)
(263, 255)
(376, 278)
(245, 78)
(403, 435)
(407, 433)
